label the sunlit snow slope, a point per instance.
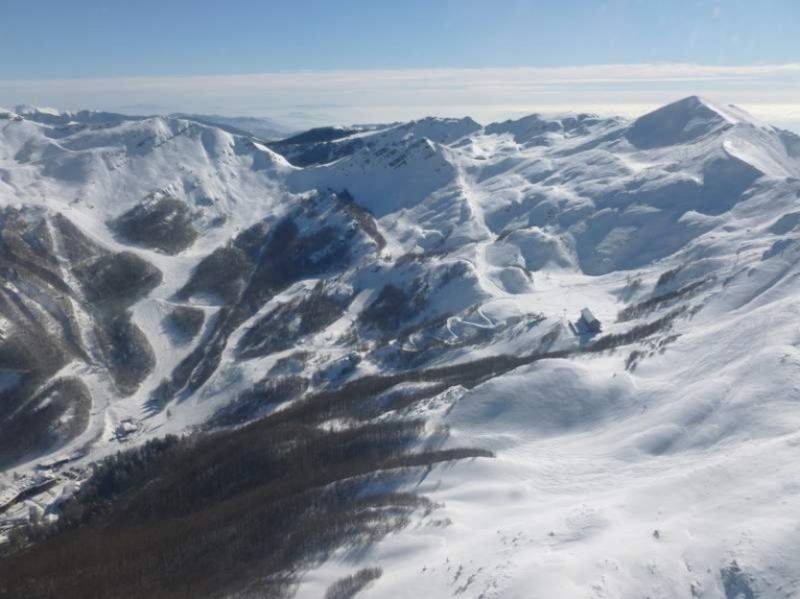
(654, 458)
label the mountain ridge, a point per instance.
(436, 269)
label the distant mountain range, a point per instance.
(263, 128)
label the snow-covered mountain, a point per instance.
(162, 274)
(260, 127)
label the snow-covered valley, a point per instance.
(161, 276)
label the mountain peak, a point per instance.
(440, 130)
(26, 109)
(537, 125)
(682, 122)
(56, 117)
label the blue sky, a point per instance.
(161, 53)
(92, 38)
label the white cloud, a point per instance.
(311, 97)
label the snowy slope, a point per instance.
(645, 460)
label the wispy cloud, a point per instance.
(308, 97)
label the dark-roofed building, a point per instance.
(590, 321)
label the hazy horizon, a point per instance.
(312, 62)
(303, 99)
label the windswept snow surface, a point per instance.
(663, 466)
